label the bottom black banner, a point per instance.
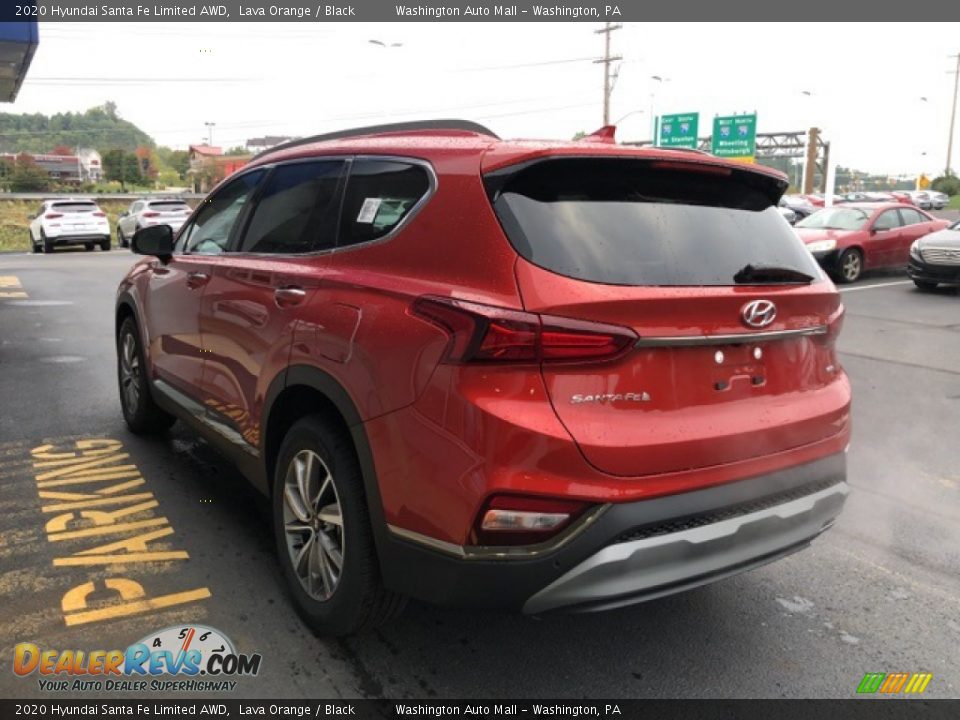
(508, 709)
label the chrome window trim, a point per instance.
(728, 339)
(502, 552)
(348, 160)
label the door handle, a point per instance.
(197, 279)
(289, 296)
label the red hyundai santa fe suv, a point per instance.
(529, 375)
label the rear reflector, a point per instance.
(51, 216)
(151, 214)
(99, 214)
(516, 520)
(483, 333)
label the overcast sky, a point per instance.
(521, 79)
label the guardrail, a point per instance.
(99, 196)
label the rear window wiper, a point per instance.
(770, 273)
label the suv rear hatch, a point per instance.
(676, 251)
(78, 216)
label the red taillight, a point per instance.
(483, 333)
(151, 214)
(99, 214)
(53, 216)
(521, 520)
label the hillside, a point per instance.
(98, 127)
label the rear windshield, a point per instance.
(632, 222)
(74, 207)
(168, 205)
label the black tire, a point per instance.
(924, 285)
(88, 247)
(34, 247)
(47, 245)
(105, 244)
(357, 601)
(850, 265)
(142, 415)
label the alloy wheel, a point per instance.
(851, 266)
(130, 373)
(313, 524)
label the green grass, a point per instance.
(14, 222)
(954, 203)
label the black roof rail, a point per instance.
(465, 125)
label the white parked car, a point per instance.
(938, 200)
(69, 221)
(151, 211)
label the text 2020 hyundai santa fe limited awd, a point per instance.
(530, 375)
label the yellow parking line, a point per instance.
(10, 287)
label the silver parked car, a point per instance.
(921, 198)
(151, 211)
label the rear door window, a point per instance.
(296, 211)
(911, 217)
(620, 221)
(379, 195)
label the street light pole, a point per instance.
(953, 114)
(654, 140)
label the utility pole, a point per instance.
(813, 138)
(953, 114)
(607, 59)
(210, 132)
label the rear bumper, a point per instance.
(631, 552)
(78, 238)
(947, 274)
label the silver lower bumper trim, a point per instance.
(630, 572)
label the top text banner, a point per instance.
(450, 11)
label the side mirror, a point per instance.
(123, 214)
(154, 240)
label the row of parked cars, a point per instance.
(66, 222)
(850, 238)
(797, 207)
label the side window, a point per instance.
(296, 211)
(379, 195)
(209, 232)
(887, 220)
(135, 208)
(911, 216)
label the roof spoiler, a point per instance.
(606, 135)
(414, 126)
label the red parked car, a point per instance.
(533, 375)
(853, 237)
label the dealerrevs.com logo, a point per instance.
(193, 658)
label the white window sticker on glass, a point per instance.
(368, 211)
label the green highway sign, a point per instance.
(678, 130)
(735, 136)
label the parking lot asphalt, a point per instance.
(878, 593)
